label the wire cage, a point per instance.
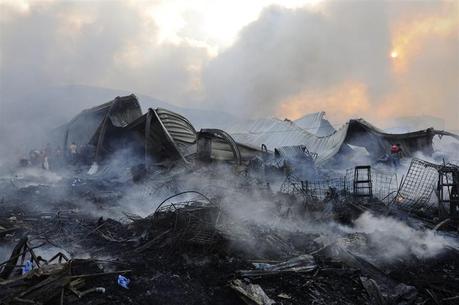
(313, 190)
(384, 184)
(190, 221)
(417, 186)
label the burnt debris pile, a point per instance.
(143, 209)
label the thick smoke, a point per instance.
(338, 58)
(107, 44)
(288, 62)
(333, 57)
(111, 44)
(287, 51)
(246, 205)
(380, 239)
(245, 202)
(395, 239)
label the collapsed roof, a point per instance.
(161, 134)
(91, 125)
(315, 123)
(164, 134)
(157, 135)
(276, 133)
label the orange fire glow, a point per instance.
(409, 37)
(409, 94)
(350, 98)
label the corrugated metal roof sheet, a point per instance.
(315, 123)
(124, 110)
(178, 126)
(82, 128)
(271, 132)
(277, 133)
(180, 130)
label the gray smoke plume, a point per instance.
(283, 54)
(289, 52)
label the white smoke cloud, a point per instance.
(338, 59)
(288, 60)
(109, 44)
(395, 239)
(286, 51)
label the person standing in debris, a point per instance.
(47, 156)
(58, 157)
(45, 163)
(35, 157)
(73, 151)
(396, 154)
(48, 150)
(86, 154)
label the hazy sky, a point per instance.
(371, 59)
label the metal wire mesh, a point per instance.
(385, 184)
(191, 221)
(293, 186)
(322, 188)
(318, 189)
(417, 186)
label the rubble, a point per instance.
(211, 221)
(187, 243)
(251, 294)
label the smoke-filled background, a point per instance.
(374, 59)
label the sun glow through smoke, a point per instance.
(410, 38)
(417, 65)
(210, 24)
(351, 94)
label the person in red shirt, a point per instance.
(396, 154)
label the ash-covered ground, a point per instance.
(229, 152)
(214, 234)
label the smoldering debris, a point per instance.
(179, 216)
(240, 243)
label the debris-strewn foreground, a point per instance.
(145, 210)
(231, 240)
